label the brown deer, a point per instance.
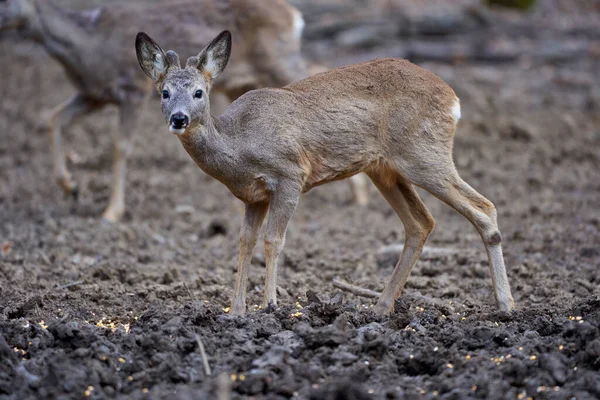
(387, 118)
(94, 49)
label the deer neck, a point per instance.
(62, 37)
(211, 147)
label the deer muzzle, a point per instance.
(178, 122)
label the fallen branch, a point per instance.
(207, 370)
(68, 285)
(356, 290)
(427, 252)
(189, 292)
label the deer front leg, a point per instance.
(253, 218)
(283, 204)
(62, 116)
(129, 113)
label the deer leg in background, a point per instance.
(253, 218)
(129, 113)
(64, 115)
(283, 203)
(358, 186)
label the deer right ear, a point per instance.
(151, 57)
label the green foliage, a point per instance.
(518, 4)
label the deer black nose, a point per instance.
(179, 120)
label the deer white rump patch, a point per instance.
(456, 110)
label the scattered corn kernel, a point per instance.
(371, 391)
(467, 357)
(227, 309)
(449, 366)
(144, 390)
(121, 360)
(242, 377)
(474, 387)
(532, 357)
(233, 377)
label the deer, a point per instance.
(93, 48)
(388, 118)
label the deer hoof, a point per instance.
(112, 217)
(68, 186)
(383, 309)
(237, 312)
(506, 305)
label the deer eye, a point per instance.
(198, 94)
(165, 94)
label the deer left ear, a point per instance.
(214, 58)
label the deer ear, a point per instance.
(151, 57)
(213, 59)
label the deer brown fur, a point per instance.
(388, 118)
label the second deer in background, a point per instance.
(94, 48)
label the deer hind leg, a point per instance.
(481, 212)
(63, 116)
(358, 186)
(253, 218)
(418, 224)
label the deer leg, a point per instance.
(253, 218)
(283, 204)
(482, 214)
(129, 113)
(358, 185)
(63, 116)
(418, 224)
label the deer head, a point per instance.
(16, 14)
(184, 91)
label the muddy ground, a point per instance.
(89, 310)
